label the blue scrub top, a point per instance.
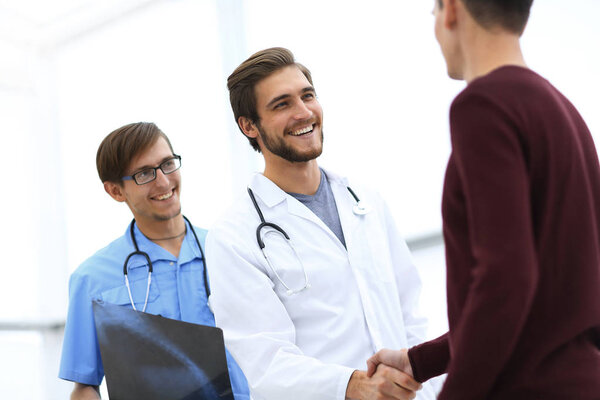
(177, 291)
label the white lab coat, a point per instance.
(306, 345)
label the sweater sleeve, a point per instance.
(429, 359)
(493, 174)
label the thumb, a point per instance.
(373, 362)
(371, 366)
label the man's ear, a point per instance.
(450, 12)
(248, 127)
(115, 191)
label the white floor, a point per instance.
(29, 359)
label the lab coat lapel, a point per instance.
(266, 190)
(351, 224)
(300, 210)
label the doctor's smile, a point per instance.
(302, 131)
(165, 196)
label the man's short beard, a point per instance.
(159, 217)
(277, 146)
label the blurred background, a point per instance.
(71, 71)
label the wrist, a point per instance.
(408, 367)
(354, 384)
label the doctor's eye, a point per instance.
(168, 165)
(144, 175)
(280, 105)
(171, 165)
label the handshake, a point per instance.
(389, 375)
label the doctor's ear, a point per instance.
(115, 191)
(248, 127)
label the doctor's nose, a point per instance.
(161, 178)
(302, 111)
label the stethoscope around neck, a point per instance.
(138, 252)
(360, 208)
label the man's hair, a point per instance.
(511, 15)
(122, 145)
(243, 80)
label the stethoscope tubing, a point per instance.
(150, 267)
(359, 209)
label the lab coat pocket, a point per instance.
(120, 296)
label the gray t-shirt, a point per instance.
(322, 204)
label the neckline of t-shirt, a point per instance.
(311, 196)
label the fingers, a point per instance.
(395, 384)
(401, 378)
(381, 357)
(391, 374)
(403, 394)
(372, 365)
(393, 358)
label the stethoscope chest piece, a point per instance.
(291, 292)
(361, 208)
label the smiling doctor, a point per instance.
(157, 266)
(310, 274)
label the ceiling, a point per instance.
(51, 23)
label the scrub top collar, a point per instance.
(188, 252)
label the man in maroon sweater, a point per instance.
(521, 211)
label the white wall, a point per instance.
(163, 65)
(376, 66)
(378, 73)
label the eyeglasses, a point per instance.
(149, 174)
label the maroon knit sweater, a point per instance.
(521, 211)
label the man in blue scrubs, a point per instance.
(137, 166)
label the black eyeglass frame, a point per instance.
(153, 169)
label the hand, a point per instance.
(394, 358)
(386, 383)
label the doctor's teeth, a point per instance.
(164, 196)
(302, 131)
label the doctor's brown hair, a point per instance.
(122, 145)
(242, 81)
(511, 15)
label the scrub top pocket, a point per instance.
(120, 296)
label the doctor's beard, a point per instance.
(279, 147)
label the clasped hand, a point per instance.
(388, 376)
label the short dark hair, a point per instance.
(511, 15)
(243, 80)
(122, 145)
